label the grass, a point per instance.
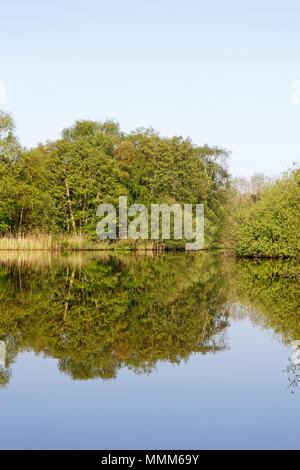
(44, 242)
(72, 242)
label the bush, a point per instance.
(267, 225)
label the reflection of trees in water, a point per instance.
(8, 352)
(293, 373)
(267, 292)
(293, 369)
(98, 317)
(2, 353)
(5, 372)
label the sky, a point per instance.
(219, 71)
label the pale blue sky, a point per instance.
(217, 71)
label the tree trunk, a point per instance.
(70, 204)
(21, 220)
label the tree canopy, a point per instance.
(57, 186)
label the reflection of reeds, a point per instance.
(43, 258)
(24, 258)
(39, 259)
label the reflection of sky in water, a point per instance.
(98, 316)
(237, 398)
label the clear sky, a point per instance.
(220, 72)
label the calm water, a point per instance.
(178, 351)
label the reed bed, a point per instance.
(74, 242)
(43, 242)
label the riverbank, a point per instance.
(80, 242)
(60, 243)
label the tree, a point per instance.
(265, 222)
(10, 148)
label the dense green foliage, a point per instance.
(265, 221)
(58, 186)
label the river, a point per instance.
(145, 351)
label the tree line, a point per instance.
(57, 186)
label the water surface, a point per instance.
(180, 351)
